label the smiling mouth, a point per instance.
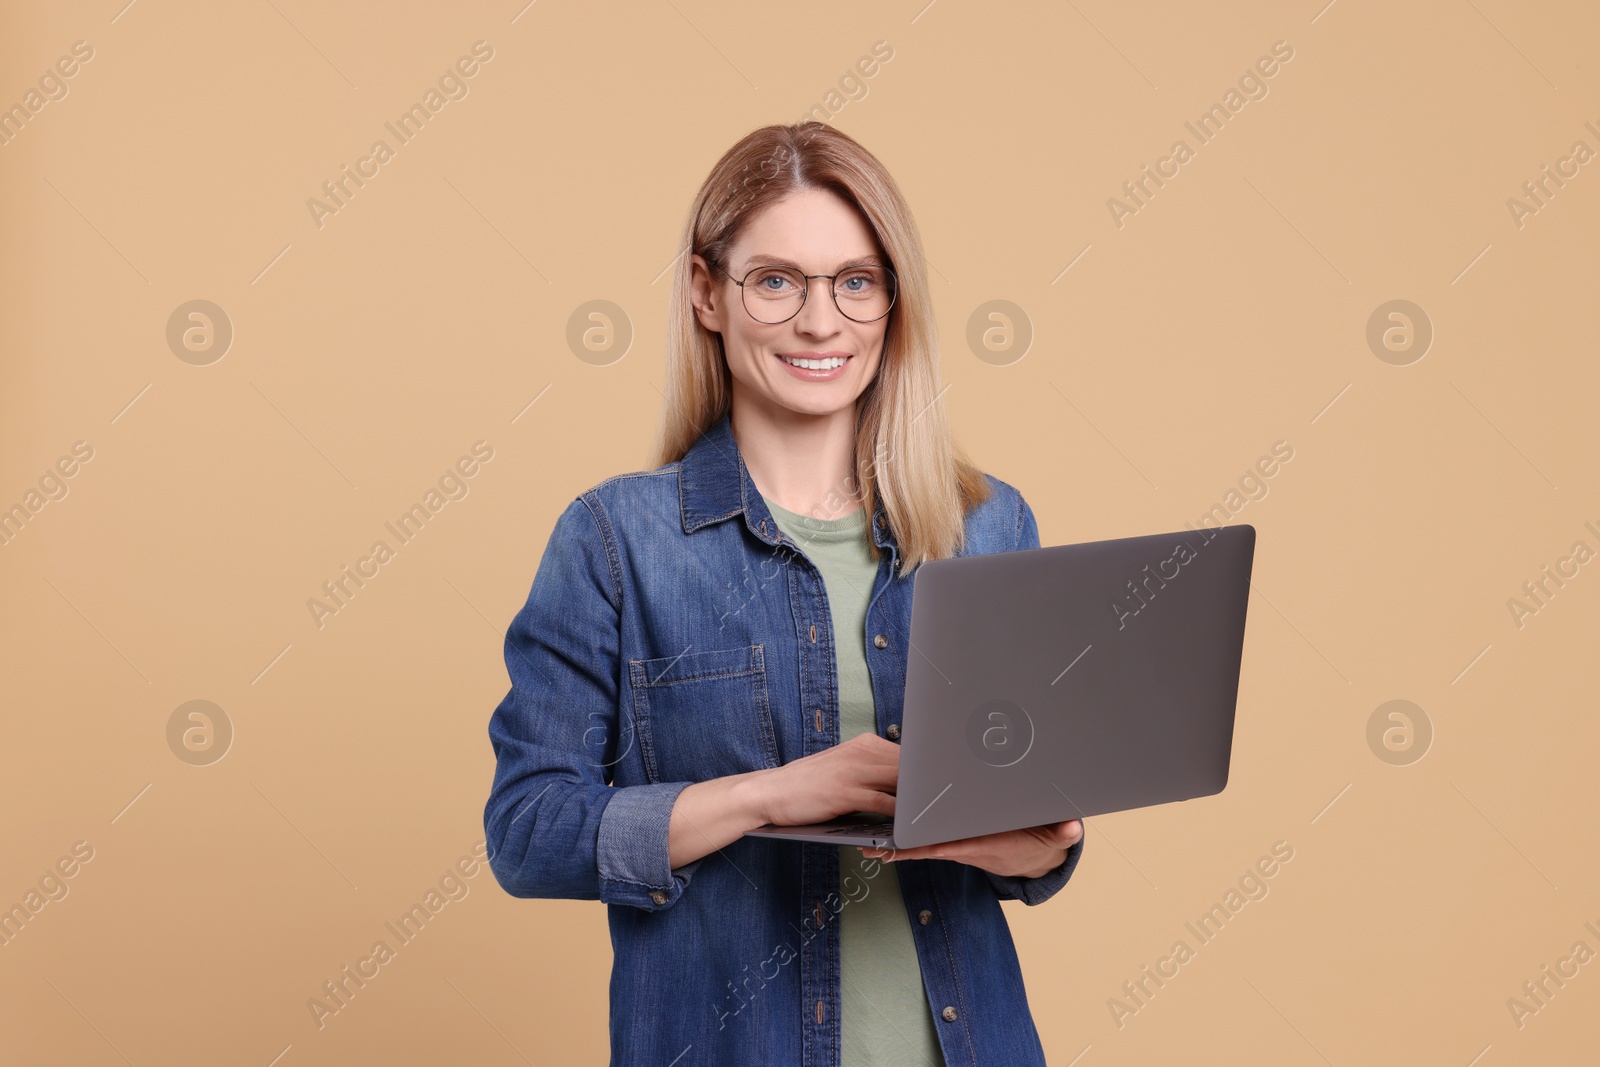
(816, 364)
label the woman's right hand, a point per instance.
(855, 775)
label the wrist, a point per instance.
(1060, 858)
(749, 795)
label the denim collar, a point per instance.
(714, 484)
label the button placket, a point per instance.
(808, 598)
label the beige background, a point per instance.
(1229, 313)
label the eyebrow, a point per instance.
(764, 260)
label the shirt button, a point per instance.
(924, 916)
(949, 1014)
(893, 731)
(658, 896)
(880, 641)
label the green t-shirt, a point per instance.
(886, 1019)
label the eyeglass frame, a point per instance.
(894, 288)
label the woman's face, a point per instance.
(818, 232)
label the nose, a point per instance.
(819, 316)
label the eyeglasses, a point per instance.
(773, 293)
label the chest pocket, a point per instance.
(703, 714)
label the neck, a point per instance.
(805, 463)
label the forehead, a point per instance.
(812, 228)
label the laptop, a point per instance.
(1062, 682)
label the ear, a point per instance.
(704, 295)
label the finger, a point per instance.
(880, 747)
(892, 855)
(874, 801)
(945, 851)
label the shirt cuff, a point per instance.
(1038, 890)
(632, 851)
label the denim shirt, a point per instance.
(672, 635)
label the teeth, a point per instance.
(815, 364)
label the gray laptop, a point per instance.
(1057, 683)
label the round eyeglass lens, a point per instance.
(775, 294)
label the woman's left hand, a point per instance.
(1026, 853)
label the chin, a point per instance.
(816, 405)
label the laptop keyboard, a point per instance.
(875, 828)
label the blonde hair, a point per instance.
(905, 455)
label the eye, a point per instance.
(861, 282)
(777, 281)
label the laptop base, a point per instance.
(864, 829)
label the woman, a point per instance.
(721, 642)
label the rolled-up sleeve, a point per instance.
(1035, 890)
(555, 825)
